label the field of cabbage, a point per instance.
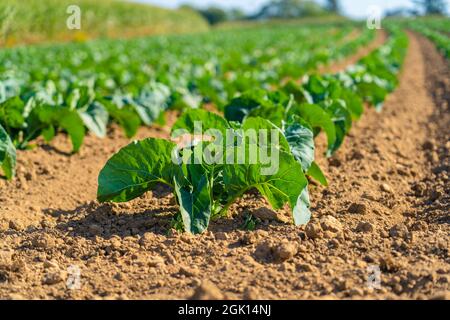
(251, 78)
(355, 120)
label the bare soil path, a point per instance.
(387, 209)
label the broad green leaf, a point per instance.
(354, 103)
(7, 155)
(273, 113)
(317, 87)
(205, 120)
(195, 204)
(301, 141)
(80, 98)
(152, 100)
(316, 173)
(11, 113)
(240, 107)
(95, 118)
(64, 118)
(316, 117)
(136, 168)
(48, 133)
(260, 124)
(299, 93)
(126, 117)
(285, 185)
(342, 120)
(301, 212)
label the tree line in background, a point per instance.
(288, 9)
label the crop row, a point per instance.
(44, 90)
(436, 35)
(206, 186)
(435, 29)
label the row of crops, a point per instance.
(80, 87)
(296, 112)
(437, 30)
(250, 77)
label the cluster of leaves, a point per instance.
(205, 190)
(83, 87)
(45, 112)
(297, 112)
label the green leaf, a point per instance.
(316, 117)
(316, 173)
(62, 117)
(195, 203)
(208, 120)
(285, 185)
(299, 93)
(354, 103)
(301, 212)
(80, 97)
(342, 120)
(48, 133)
(7, 155)
(152, 100)
(273, 113)
(11, 113)
(126, 116)
(300, 137)
(240, 107)
(136, 168)
(259, 124)
(95, 118)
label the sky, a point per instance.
(352, 8)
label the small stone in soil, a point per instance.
(358, 208)
(330, 223)
(365, 227)
(399, 231)
(16, 225)
(207, 291)
(313, 230)
(386, 188)
(284, 251)
(52, 278)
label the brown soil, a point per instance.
(387, 206)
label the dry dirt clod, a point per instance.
(207, 291)
(399, 231)
(284, 252)
(221, 236)
(156, 261)
(16, 225)
(251, 293)
(366, 227)
(51, 264)
(43, 241)
(265, 214)
(313, 230)
(248, 238)
(389, 264)
(330, 223)
(52, 278)
(358, 208)
(386, 188)
(5, 259)
(189, 271)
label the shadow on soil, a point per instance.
(152, 213)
